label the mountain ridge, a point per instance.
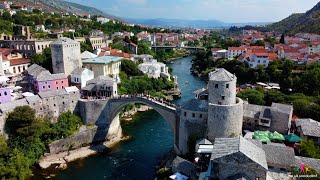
(60, 5)
(308, 22)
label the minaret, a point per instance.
(225, 110)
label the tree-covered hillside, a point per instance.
(308, 22)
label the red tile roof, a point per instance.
(19, 61)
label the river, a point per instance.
(152, 138)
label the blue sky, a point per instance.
(224, 10)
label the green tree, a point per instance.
(44, 59)
(130, 68)
(7, 16)
(282, 39)
(309, 149)
(253, 96)
(67, 124)
(16, 167)
(21, 117)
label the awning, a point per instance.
(293, 138)
(276, 136)
(205, 149)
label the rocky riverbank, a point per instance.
(127, 115)
(60, 160)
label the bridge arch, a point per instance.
(166, 111)
(105, 114)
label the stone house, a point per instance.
(234, 158)
(45, 81)
(277, 117)
(80, 76)
(309, 129)
(47, 104)
(101, 87)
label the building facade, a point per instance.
(104, 65)
(80, 76)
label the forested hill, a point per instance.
(304, 22)
(60, 5)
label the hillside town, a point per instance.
(64, 88)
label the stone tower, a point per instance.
(225, 110)
(65, 55)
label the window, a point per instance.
(227, 86)
(0, 94)
(54, 105)
(200, 115)
(185, 113)
(62, 82)
(223, 97)
(249, 124)
(264, 121)
(43, 87)
(57, 82)
(5, 93)
(193, 115)
(62, 87)
(57, 87)
(49, 86)
(217, 86)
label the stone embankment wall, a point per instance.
(88, 135)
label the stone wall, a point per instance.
(189, 126)
(51, 106)
(94, 112)
(87, 136)
(225, 120)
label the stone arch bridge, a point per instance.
(105, 113)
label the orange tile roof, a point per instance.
(19, 61)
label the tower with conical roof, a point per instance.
(66, 55)
(225, 110)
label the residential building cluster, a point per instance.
(302, 48)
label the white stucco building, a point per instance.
(80, 76)
(235, 51)
(154, 69)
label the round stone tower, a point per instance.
(225, 110)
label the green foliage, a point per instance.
(21, 117)
(67, 124)
(253, 96)
(130, 68)
(309, 149)
(28, 140)
(3, 146)
(143, 84)
(163, 173)
(44, 59)
(15, 166)
(86, 46)
(143, 48)
(192, 140)
(259, 43)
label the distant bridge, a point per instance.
(159, 48)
